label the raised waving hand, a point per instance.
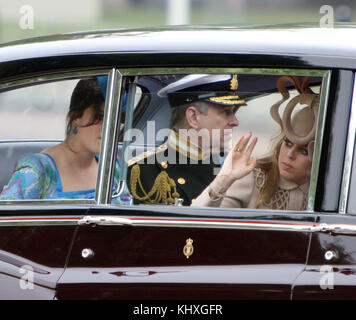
(238, 162)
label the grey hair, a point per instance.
(178, 113)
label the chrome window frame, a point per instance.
(324, 74)
(349, 155)
(110, 110)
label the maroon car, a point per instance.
(97, 249)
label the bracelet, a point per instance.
(213, 195)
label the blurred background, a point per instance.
(20, 19)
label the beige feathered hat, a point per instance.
(301, 127)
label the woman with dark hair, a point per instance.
(281, 179)
(67, 170)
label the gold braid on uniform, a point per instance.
(161, 190)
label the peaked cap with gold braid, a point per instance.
(301, 129)
(220, 89)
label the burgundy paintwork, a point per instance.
(44, 249)
(329, 279)
(148, 263)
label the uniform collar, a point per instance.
(289, 185)
(181, 144)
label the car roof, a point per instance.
(306, 39)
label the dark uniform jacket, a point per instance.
(168, 173)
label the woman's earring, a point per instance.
(75, 130)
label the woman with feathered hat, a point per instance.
(280, 180)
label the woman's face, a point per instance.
(294, 163)
(90, 135)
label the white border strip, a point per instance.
(350, 146)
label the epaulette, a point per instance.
(163, 190)
(147, 154)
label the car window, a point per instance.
(153, 176)
(35, 119)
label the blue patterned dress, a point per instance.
(36, 177)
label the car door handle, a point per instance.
(103, 220)
(337, 228)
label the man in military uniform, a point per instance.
(203, 115)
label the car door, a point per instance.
(175, 252)
(33, 251)
(36, 235)
(330, 271)
(152, 254)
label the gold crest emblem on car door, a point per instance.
(188, 248)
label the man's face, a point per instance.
(218, 123)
